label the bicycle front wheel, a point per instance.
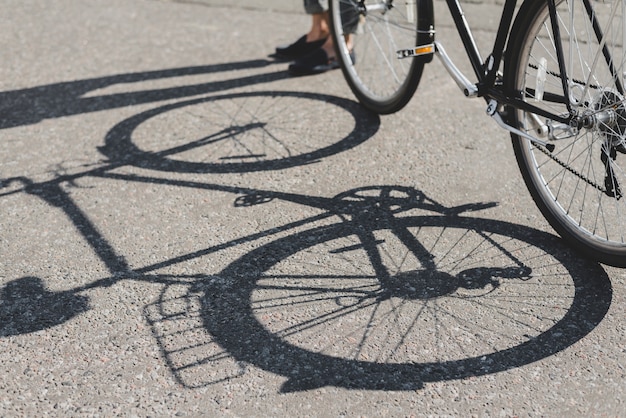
(578, 187)
(367, 35)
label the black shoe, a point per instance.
(298, 49)
(315, 63)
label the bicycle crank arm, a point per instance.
(492, 110)
(469, 89)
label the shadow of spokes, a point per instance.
(401, 301)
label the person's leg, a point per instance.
(315, 6)
(319, 27)
(351, 21)
(316, 36)
(323, 58)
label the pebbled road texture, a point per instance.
(187, 230)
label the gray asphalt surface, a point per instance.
(186, 230)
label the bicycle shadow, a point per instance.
(321, 307)
(32, 105)
(480, 293)
(253, 131)
(268, 136)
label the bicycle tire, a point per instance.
(577, 187)
(381, 82)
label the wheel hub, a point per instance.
(607, 115)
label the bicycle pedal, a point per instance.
(416, 51)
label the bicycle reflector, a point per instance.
(416, 51)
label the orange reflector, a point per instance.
(416, 51)
(428, 49)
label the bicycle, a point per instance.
(554, 79)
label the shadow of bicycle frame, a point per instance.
(32, 105)
(224, 309)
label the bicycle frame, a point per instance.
(554, 79)
(486, 71)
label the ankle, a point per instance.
(329, 47)
(317, 35)
(319, 27)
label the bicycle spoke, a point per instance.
(579, 186)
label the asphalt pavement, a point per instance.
(186, 230)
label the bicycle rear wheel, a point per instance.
(367, 35)
(578, 187)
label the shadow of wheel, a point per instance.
(314, 308)
(240, 132)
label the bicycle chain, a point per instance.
(571, 170)
(562, 163)
(557, 75)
